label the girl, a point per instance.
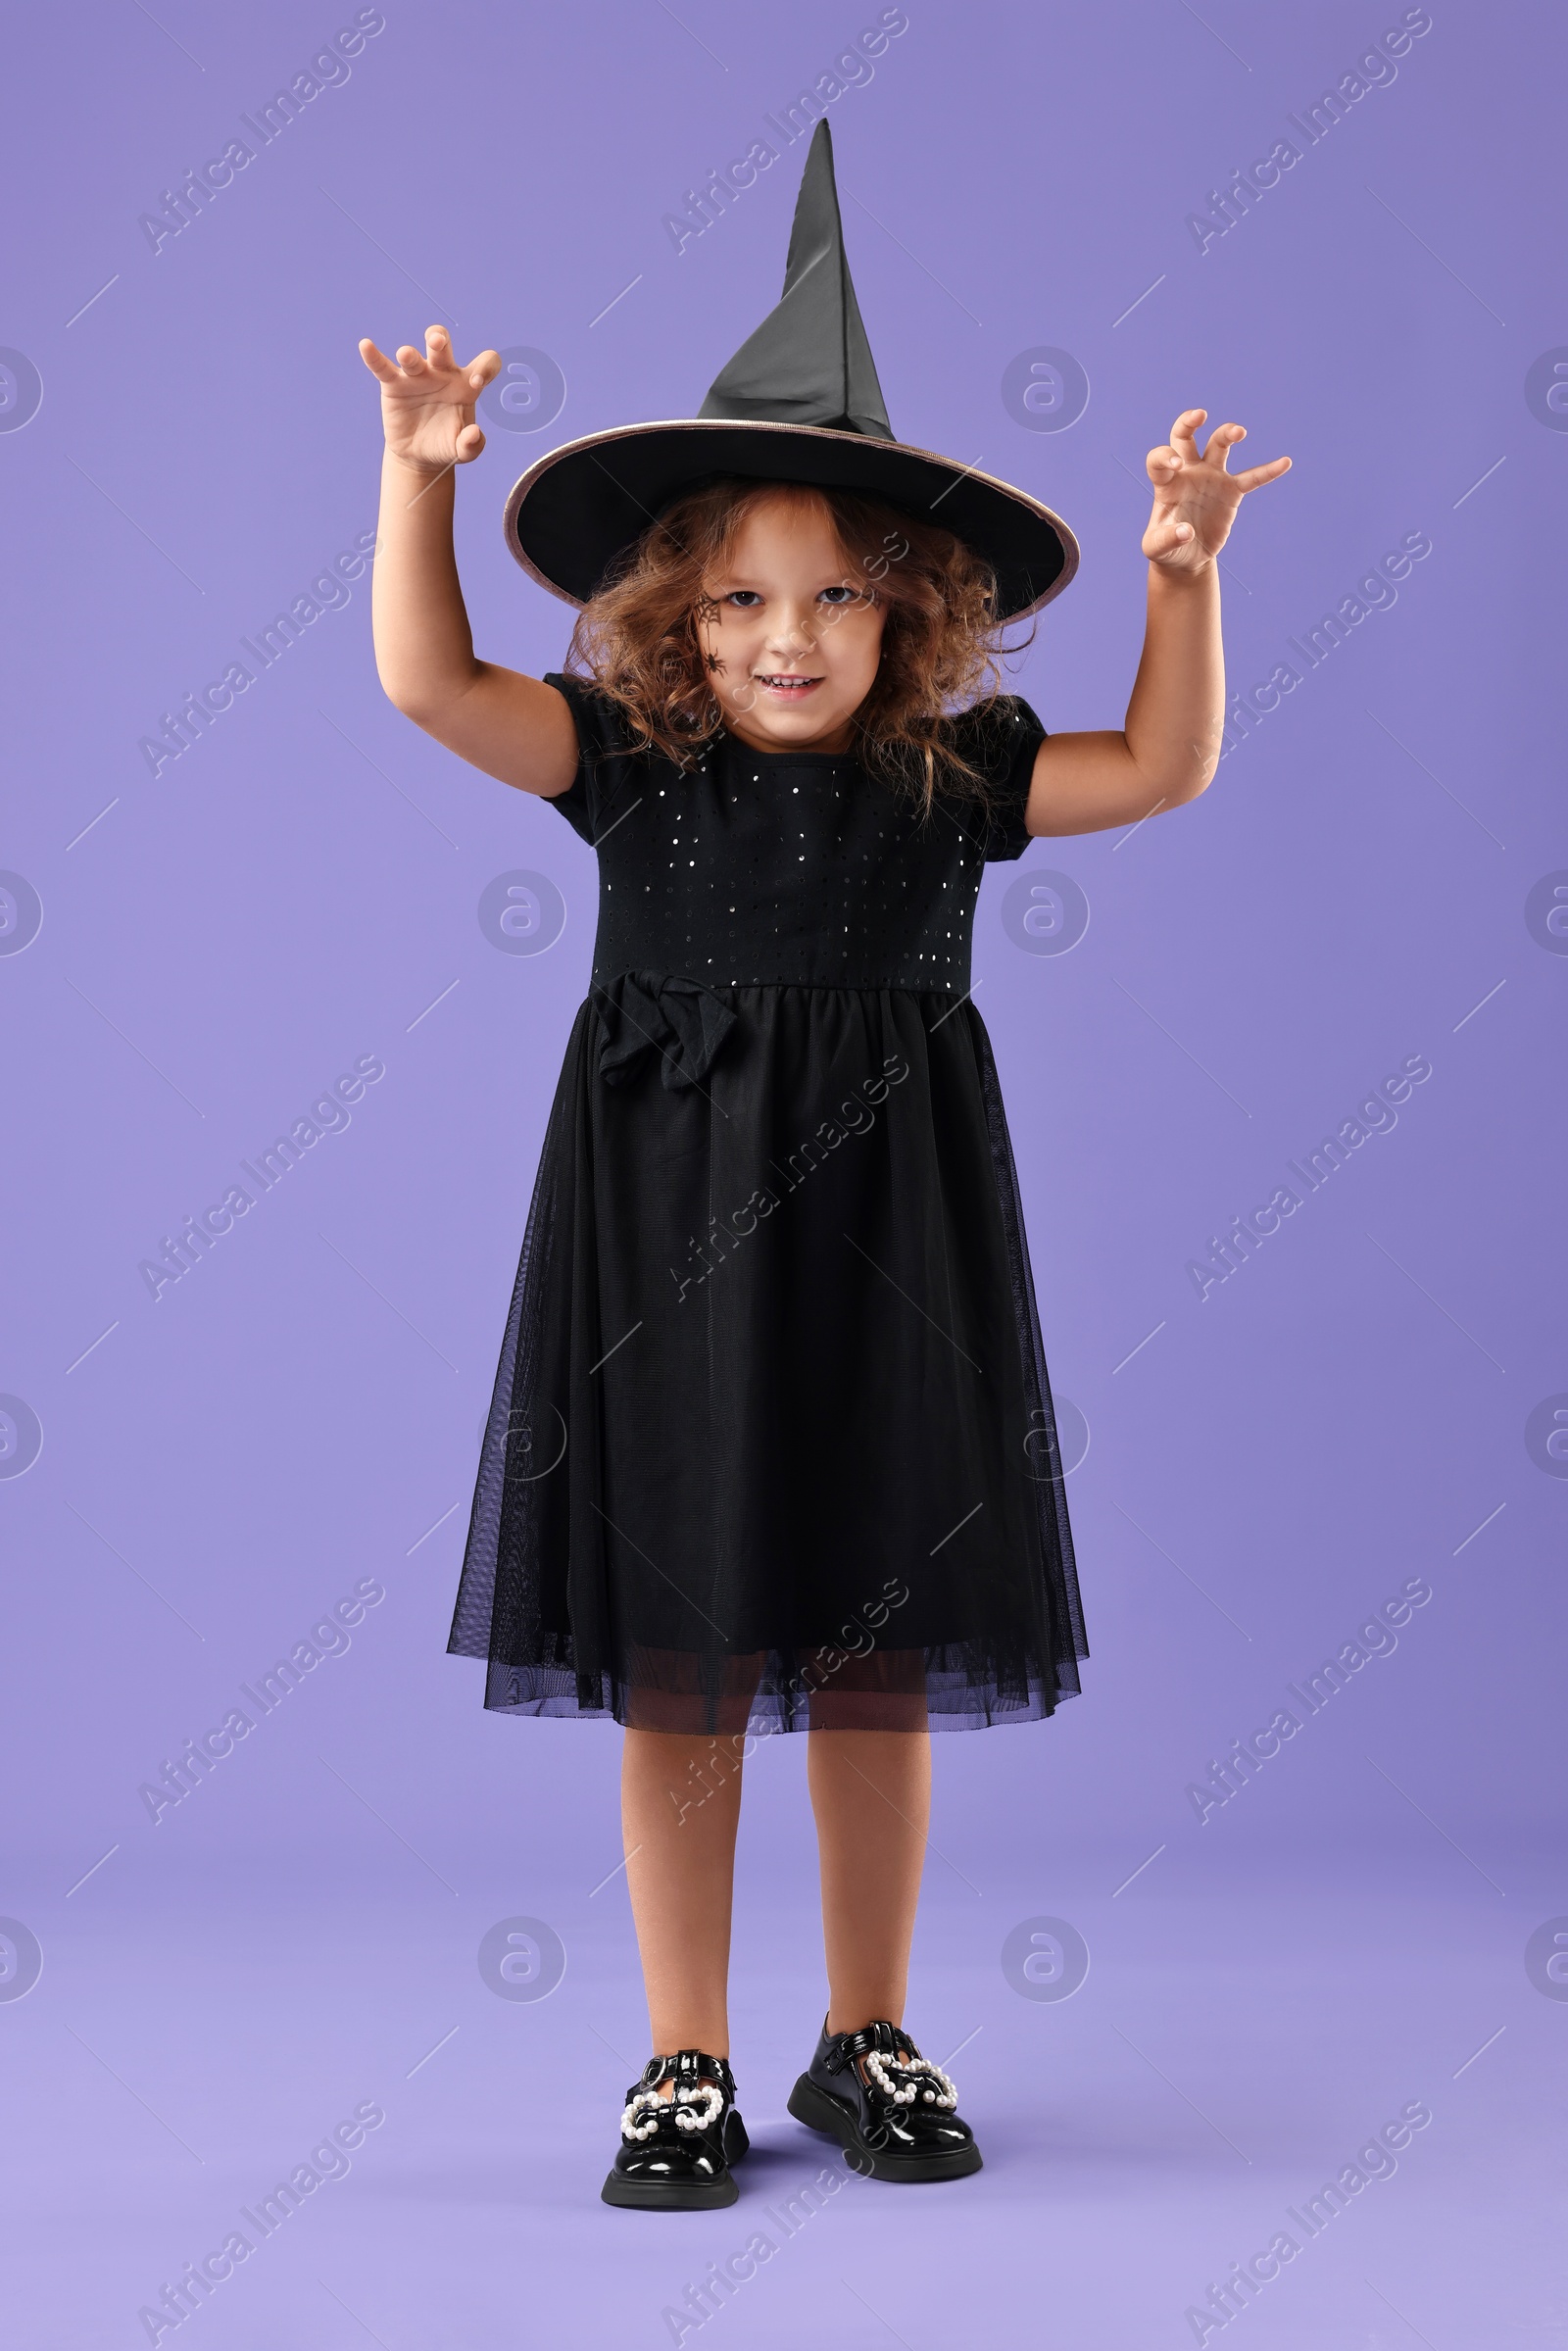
(772, 1447)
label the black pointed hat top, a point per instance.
(799, 402)
(809, 362)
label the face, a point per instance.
(792, 643)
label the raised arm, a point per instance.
(513, 726)
(1168, 750)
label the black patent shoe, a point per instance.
(675, 2152)
(890, 2109)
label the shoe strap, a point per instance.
(843, 2049)
(686, 2067)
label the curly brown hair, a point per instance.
(637, 639)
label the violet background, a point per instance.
(303, 1410)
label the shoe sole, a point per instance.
(684, 2196)
(687, 2195)
(819, 2111)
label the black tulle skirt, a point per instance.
(771, 1445)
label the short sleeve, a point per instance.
(607, 764)
(1001, 741)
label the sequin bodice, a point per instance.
(790, 868)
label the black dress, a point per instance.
(771, 1445)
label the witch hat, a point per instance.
(809, 362)
(799, 402)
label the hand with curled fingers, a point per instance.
(428, 400)
(1194, 498)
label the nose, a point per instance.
(791, 634)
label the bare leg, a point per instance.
(680, 1800)
(871, 1794)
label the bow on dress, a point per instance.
(680, 1020)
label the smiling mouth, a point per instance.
(785, 682)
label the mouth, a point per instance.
(785, 685)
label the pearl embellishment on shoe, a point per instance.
(904, 2092)
(691, 2109)
(631, 2127)
(711, 2102)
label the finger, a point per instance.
(379, 363)
(1183, 433)
(485, 368)
(1257, 475)
(1163, 466)
(412, 361)
(1221, 441)
(1161, 539)
(438, 344)
(469, 444)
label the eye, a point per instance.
(840, 596)
(742, 599)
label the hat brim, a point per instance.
(580, 505)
